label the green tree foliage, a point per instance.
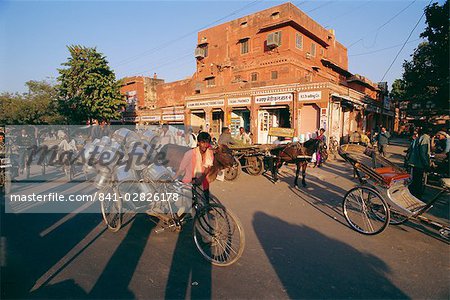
(88, 89)
(398, 90)
(38, 106)
(426, 76)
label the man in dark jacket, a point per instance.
(419, 160)
(382, 139)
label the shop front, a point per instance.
(312, 114)
(348, 118)
(272, 111)
(206, 115)
(238, 114)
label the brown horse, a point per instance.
(298, 154)
(173, 154)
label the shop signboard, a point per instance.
(310, 96)
(273, 99)
(131, 119)
(239, 101)
(282, 132)
(208, 103)
(150, 118)
(173, 117)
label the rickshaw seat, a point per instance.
(389, 174)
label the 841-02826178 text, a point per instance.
(139, 197)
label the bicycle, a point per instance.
(333, 147)
(217, 232)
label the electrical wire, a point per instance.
(383, 49)
(164, 45)
(404, 44)
(384, 24)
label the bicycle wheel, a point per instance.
(111, 206)
(365, 210)
(218, 235)
(396, 218)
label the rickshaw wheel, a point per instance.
(365, 210)
(218, 235)
(111, 206)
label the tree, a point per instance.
(88, 89)
(398, 90)
(426, 76)
(38, 106)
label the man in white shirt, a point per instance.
(166, 136)
(244, 137)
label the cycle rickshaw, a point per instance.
(383, 197)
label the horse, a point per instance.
(298, 154)
(172, 155)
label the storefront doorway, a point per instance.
(240, 118)
(198, 120)
(269, 117)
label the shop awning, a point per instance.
(349, 99)
(275, 107)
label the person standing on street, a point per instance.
(382, 139)
(166, 136)
(225, 138)
(244, 137)
(419, 160)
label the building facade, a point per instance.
(273, 68)
(140, 96)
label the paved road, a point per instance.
(298, 246)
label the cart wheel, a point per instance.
(232, 173)
(111, 205)
(255, 165)
(365, 210)
(218, 235)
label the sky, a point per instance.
(146, 37)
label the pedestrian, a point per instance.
(382, 139)
(321, 137)
(365, 140)
(191, 138)
(166, 136)
(225, 138)
(419, 161)
(243, 137)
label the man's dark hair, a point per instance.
(224, 129)
(204, 137)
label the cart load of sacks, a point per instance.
(128, 164)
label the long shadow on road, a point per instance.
(312, 265)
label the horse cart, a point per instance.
(383, 197)
(251, 157)
(247, 157)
